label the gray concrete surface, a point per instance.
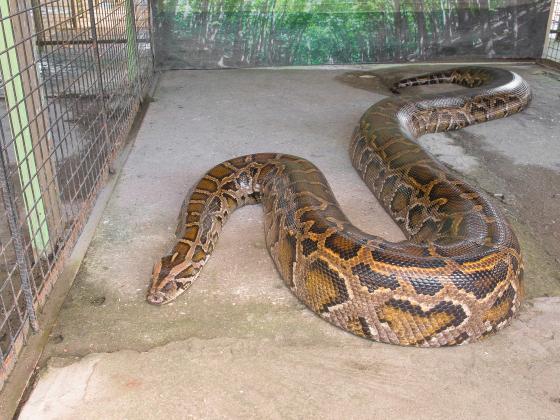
(239, 345)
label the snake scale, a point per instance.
(456, 278)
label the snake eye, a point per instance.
(167, 287)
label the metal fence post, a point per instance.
(19, 246)
(151, 7)
(100, 83)
(132, 45)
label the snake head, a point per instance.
(171, 276)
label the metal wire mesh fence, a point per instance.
(72, 76)
(552, 43)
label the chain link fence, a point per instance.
(552, 42)
(72, 77)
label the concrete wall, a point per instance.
(247, 33)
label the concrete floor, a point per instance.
(239, 345)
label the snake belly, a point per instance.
(457, 276)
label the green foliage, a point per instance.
(294, 32)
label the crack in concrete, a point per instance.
(88, 380)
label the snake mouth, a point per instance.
(157, 298)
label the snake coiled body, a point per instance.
(456, 278)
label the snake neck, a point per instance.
(223, 189)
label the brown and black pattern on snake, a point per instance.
(456, 278)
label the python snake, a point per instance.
(456, 278)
